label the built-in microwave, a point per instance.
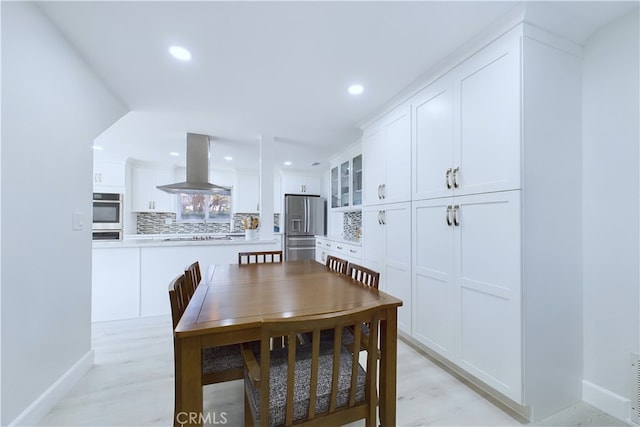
(107, 215)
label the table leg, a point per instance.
(388, 367)
(188, 382)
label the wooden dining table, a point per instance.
(232, 300)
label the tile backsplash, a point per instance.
(156, 223)
(352, 225)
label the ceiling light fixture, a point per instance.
(180, 53)
(97, 147)
(228, 158)
(288, 163)
(174, 154)
(356, 89)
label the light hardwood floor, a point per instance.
(131, 384)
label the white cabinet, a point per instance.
(494, 263)
(466, 271)
(115, 287)
(108, 177)
(299, 183)
(145, 196)
(466, 136)
(386, 152)
(386, 248)
(246, 192)
(346, 180)
(339, 248)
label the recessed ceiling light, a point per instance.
(228, 158)
(174, 154)
(287, 163)
(97, 147)
(180, 53)
(356, 89)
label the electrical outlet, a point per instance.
(77, 221)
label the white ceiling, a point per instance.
(276, 69)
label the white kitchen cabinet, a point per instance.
(115, 287)
(339, 248)
(386, 152)
(300, 183)
(346, 180)
(246, 192)
(145, 196)
(496, 166)
(108, 177)
(466, 271)
(466, 136)
(386, 248)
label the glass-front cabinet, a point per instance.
(346, 181)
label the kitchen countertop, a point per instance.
(341, 239)
(137, 241)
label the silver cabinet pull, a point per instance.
(352, 251)
(339, 247)
(384, 191)
(455, 177)
(447, 178)
(380, 217)
(456, 209)
(448, 215)
(380, 191)
(384, 217)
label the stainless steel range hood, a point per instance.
(197, 170)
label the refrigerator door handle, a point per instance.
(306, 215)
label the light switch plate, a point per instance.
(77, 221)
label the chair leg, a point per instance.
(248, 418)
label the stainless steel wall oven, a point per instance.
(107, 216)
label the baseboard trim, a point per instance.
(54, 394)
(607, 401)
(519, 412)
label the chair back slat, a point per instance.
(364, 275)
(259, 257)
(337, 264)
(179, 296)
(193, 276)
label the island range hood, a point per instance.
(197, 170)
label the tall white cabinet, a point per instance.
(494, 218)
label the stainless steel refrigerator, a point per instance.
(304, 217)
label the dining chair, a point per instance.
(193, 275)
(259, 257)
(219, 364)
(326, 373)
(337, 264)
(363, 275)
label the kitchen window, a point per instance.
(204, 207)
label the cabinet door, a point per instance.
(374, 167)
(142, 180)
(312, 185)
(488, 120)
(247, 192)
(345, 184)
(302, 184)
(433, 141)
(397, 157)
(372, 238)
(433, 317)
(356, 180)
(108, 176)
(335, 187)
(162, 201)
(487, 270)
(396, 276)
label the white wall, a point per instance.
(610, 213)
(53, 106)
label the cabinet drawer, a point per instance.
(347, 249)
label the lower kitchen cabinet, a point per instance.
(115, 278)
(386, 248)
(467, 275)
(338, 248)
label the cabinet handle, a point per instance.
(384, 191)
(353, 251)
(448, 215)
(384, 217)
(380, 217)
(339, 247)
(456, 222)
(447, 178)
(455, 177)
(328, 245)
(379, 191)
